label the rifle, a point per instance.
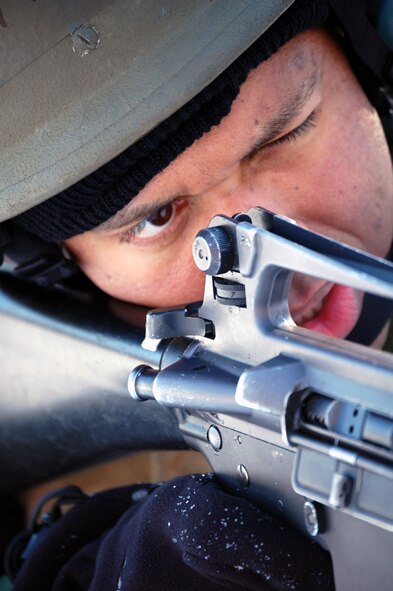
(298, 422)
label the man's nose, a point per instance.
(244, 195)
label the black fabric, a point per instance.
(376, 313)
(187, 534)
(11, 522)
(99, 196)
(365, 38)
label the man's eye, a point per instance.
(295, 133)
(156, 224)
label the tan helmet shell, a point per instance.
(82, 81)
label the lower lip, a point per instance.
(339, 314)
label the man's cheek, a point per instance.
(145, 283)
(178, 285)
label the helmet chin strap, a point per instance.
(376, 313)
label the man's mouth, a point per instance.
(333, 311)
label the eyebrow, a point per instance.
(292, 107)
(288, 112)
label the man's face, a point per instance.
(301, 140)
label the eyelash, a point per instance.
(177, 206)
(295, 133)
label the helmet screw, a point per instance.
(85, 39)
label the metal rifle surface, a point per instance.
(298, 422)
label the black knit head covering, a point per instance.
(102, 194)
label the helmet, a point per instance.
(83, 81)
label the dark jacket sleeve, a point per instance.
(186, 534)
